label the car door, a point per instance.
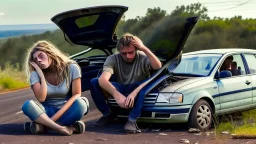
(251, 64)
(235, 92)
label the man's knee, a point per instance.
(95, 81)
(96, 87)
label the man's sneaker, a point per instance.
(36, 128)
(79, 127)
(131, 127)
(104, 121)
(26, 126)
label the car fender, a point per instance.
(204, 95)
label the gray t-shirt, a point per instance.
(60, 91)
(128, 73)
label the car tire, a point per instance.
(201, 115)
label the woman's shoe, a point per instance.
(79, 127)
(36, 128)
(26, 126)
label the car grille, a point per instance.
(150, 98)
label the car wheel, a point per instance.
(201, 115)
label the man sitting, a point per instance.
(226, 63)
(131, 67)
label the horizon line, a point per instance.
(28, 24)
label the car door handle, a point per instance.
(247, 82)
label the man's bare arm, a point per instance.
(107, 86)
(154, 61)
(130, 99)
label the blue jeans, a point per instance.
(100, 102)
(78, 109)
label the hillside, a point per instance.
(156, 29)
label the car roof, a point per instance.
(222, 51)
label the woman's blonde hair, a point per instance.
(60, 61)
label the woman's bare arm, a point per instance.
(76, 92)
(39, 89)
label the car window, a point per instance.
(232, 66)
(237, 66)
(251, 61)
(200, 64)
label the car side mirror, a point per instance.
(223, 74)
(217, 74)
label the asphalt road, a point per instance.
(12, 119)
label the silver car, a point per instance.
(199, 88)
(190, 87)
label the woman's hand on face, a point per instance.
(37, 68)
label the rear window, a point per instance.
(86, 21)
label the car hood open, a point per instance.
(92, 26)
(95, 27)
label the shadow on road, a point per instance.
(17, 129)
(11, 129)
(117, 127)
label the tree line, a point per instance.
(157, 29)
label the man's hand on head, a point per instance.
(138, 44)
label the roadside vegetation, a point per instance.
(12, 78)
(243, 125)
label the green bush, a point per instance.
(12, 78)
(11, 83)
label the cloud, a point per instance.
(2, 13)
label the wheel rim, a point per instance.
(204, 116)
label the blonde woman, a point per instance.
(56, 82)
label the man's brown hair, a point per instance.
(124, 41)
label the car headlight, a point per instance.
(170, 98)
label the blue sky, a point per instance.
(41, 11)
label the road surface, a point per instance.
(12, 119)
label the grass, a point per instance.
(12, 78)
(248, 127)
(245, 130)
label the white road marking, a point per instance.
(19, 112)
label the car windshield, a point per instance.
(197, 64)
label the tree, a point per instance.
(191, 10)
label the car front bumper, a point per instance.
(159, 113)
